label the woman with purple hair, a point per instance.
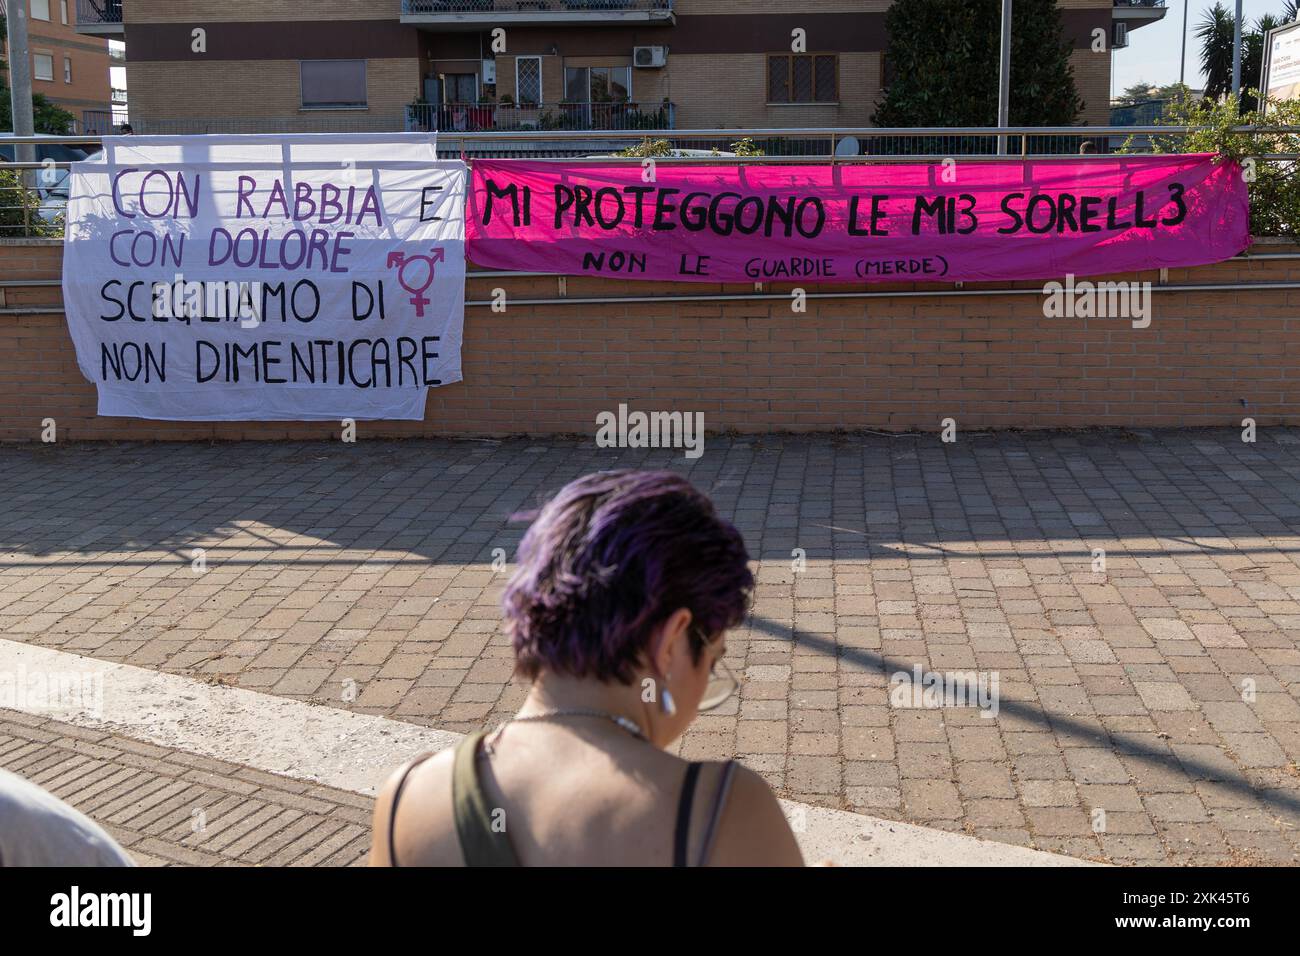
(626, 586)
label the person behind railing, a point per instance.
(626, 585)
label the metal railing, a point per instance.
(977, 142)
(478, 117)
(102, 122)
(579, 129)
(792, 145)
(98, 12)
(26, 211)
(432, 7)
(1139, 3)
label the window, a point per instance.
(803, 78)
(460, 88)
(333, 84)
(597, 84)
(528, 79)
(63, 10)
(41, 10)
(42, 66)
(67, 69)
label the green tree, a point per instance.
(1252, 59)
(48, 117)
(1274, 186)
(1137, 93)
(943, 61)
(1216, 34)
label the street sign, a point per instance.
(1280, 78)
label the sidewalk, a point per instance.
(1162, 690)
(167, 806)
(290, 777)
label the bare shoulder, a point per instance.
(753, 830)
(422, 831)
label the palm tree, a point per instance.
(1215, 33)
(1291, 11)
(1252, 58)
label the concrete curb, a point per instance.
(356, 752)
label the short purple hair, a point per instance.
(608, 560)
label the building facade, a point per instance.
(69, 68)
(530, 64)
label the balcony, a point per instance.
(100, 17)
(478, 14)
(1138, 13)
(511, 117)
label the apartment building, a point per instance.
(69, 68)
(512, 64)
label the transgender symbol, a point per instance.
(415, 275)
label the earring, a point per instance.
(666, 702)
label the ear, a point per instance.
(670, 648)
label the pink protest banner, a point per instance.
(991, 221)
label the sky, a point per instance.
(1152, 54)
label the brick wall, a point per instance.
(692, 82)
(262, 89)
(89, 86)
(200, 11)
(712, 85)
(891, 363)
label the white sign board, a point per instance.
(1281, 72)
(266, 278)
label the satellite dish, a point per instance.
(848, 146)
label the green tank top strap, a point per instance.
(480, 843)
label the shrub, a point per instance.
(1273, 185)
(20, 210)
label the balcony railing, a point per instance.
(530, 6)
(102, 122)
(99, 16)
(467, 13)
(507, 117)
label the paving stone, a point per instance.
(166, 812)
(1162, 685)
(1164, 695)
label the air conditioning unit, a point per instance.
(490, 72)
(650, 57)
(1119, 38)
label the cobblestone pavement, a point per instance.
(1136, 594)
(167, 807)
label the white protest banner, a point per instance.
(303, 277)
